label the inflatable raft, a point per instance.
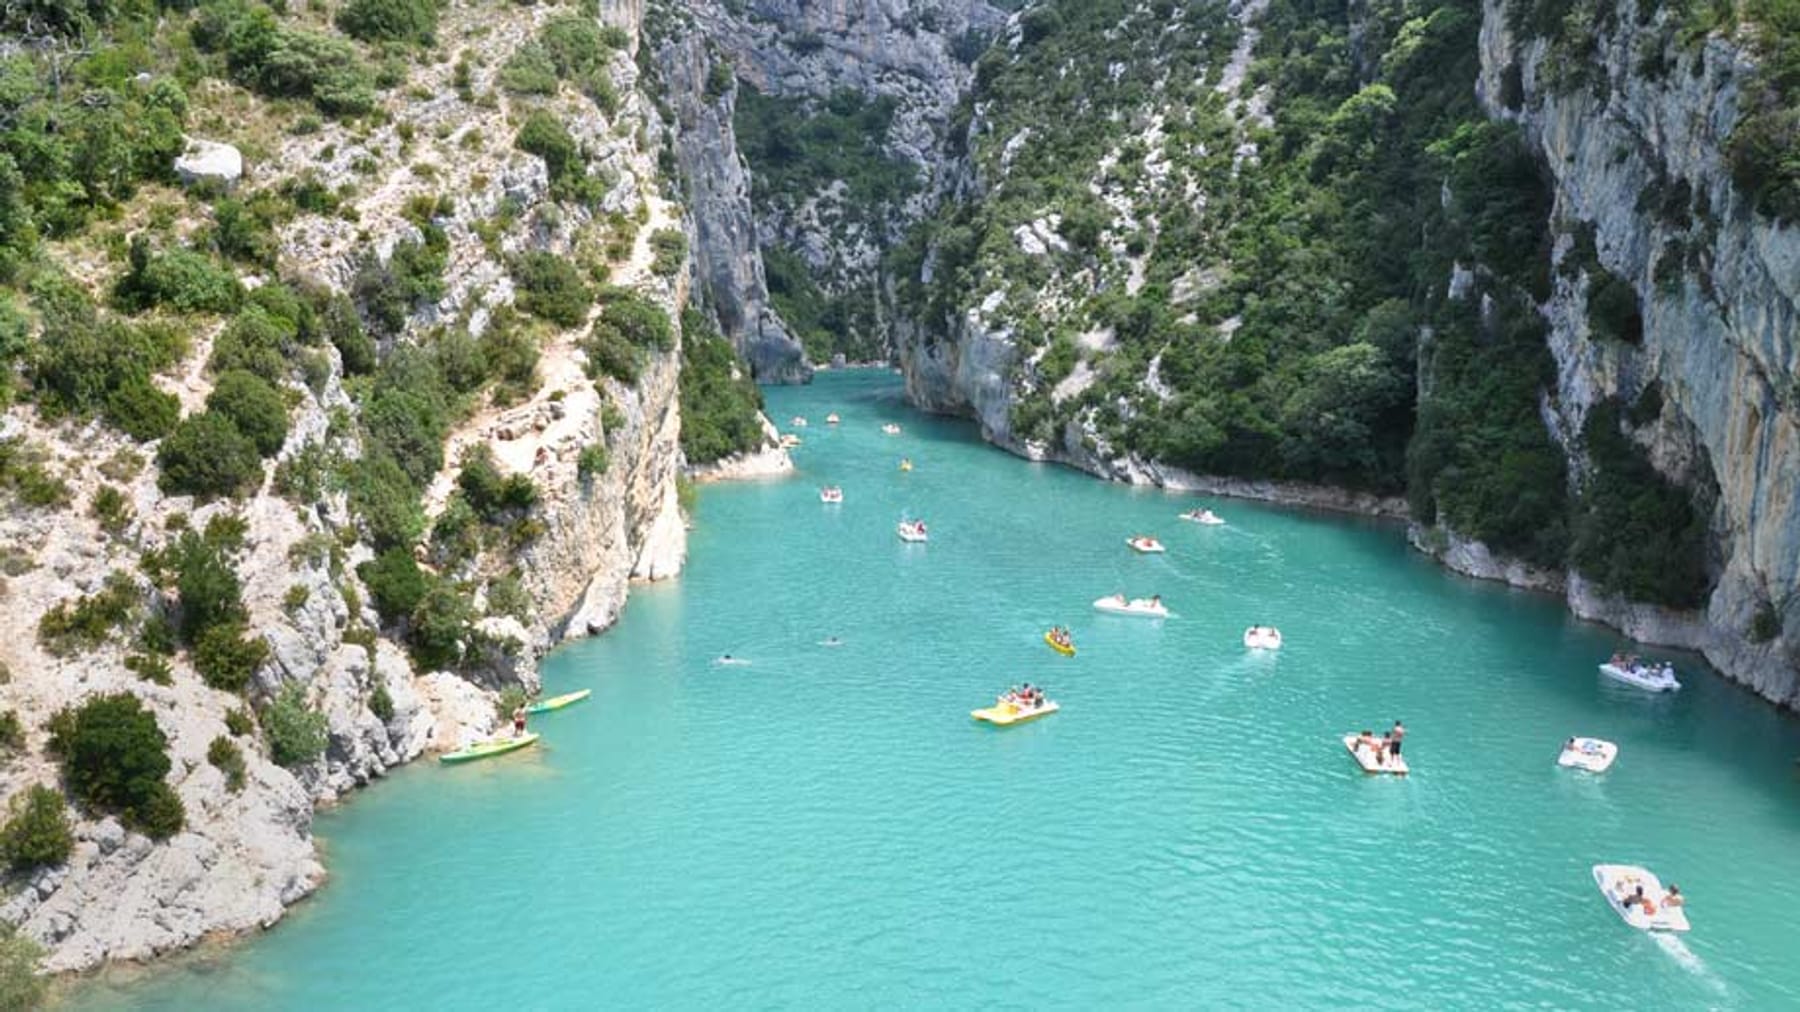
(1066, 649)
(1591, 754)
(1619, 882)
(1375, 760)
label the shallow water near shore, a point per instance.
(825, 825)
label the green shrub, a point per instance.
(396, 584)
(381, 704)
(37, 833)
(138, 409)
(91, 620)
(1765, 625)
(439, 625)
(592, 462)
(544, 135)
(1636, 533)
(227, 657)
(114, 758)
(489, 493)
(285, 62)
(390, 20)
(239, 722)
(507, 596)
(413, 274)
(550, 287)
(610, 353)
(385, 501)
(12, 733)
(297, 732)
(719, 403)
(244, 231)
(207, 456)
(21, 986)
(254, 406)
(528, 71)
(1612, 310)
(179, 279)
(152, 668)
(670, 246)
(111, 509)
(641, 321)
(224, 754)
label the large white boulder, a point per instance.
(209, 162)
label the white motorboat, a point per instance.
(831, 494)
(1149, 607)
(1591, 754)
(1207, 517)
(1145, 544)
(797, 422)
(1375, 758)
(832, 419)
(912, 530)
(789, 440)
(1650, 678)
(1649, 909)
(891, 429)
(1262, 637)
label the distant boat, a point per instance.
(912, 530)
(1199, 516)
(1649, 678)
(1262, 637)
(906, 463)
(832, 419)
(1151, 607)
(831, 494)
(1006, 712)
(1619, 882)
(1145, 544)
(558, 702)
(487, 749)
(797, 422)
(891, 429)
(1376, 758)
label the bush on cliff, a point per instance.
(254, 406)
(719, 402)
(21, 986)
(114, 758)
(412, 21)
(37, 832)
(1637, 533)
(297, 732)
(207, 456)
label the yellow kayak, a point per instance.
(1004, 714)
(491, 747)
(906, 465)
(558, 702)
(1067, 650)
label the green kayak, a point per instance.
(558, 702)
(491, 747)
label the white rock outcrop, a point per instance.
(209, 162)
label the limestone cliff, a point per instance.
(602, 455)
(1640, 159)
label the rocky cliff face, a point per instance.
(915, 58)
(1641, 160)
(245, 853)
(727, 253)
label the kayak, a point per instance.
(1375, 760)
(1619, 881)
(1136, 606)
(558, 702)
(1650, 679)
(1591, 754)
(485, 749)
(1066, 650)
(1004, 714)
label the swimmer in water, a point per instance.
(831, 641)
(728, 659)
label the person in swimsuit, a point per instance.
(1393, 740)
(518, 717)
(1673, 897)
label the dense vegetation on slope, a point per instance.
(1287, 287)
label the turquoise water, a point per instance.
(825, 825)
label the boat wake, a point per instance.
(1689, 960)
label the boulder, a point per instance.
(209, 162)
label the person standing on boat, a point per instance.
(518, 717)
(1393, 740)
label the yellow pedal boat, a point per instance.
(1005, 714)
(1067, 650)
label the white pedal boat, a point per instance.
(831, 419)
(1207, 517)
(797, 422)
(891, 429)
(831, 494)
(1262, 637)
(1117, 605)
(912, 530)
(1145, 545)
(1657, 679)
(1619, 881)
(1591, 754)
(789, 440)
(1375, 760)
